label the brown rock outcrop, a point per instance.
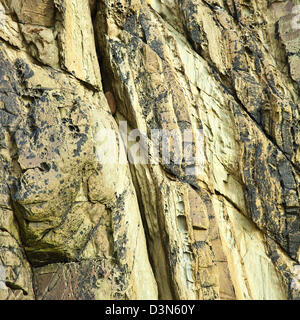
(84, 214)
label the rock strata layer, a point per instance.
(221, 224)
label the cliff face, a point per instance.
(91, 207)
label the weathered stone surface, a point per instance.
(86, 280)
(222, 222)
(41, 44)
(37, 12)
(76, 39)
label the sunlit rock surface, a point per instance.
(222, 225)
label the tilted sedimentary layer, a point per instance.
(75, 227)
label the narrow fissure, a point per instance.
(107, 79)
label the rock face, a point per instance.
(89, 206)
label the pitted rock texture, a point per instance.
(73, 227)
